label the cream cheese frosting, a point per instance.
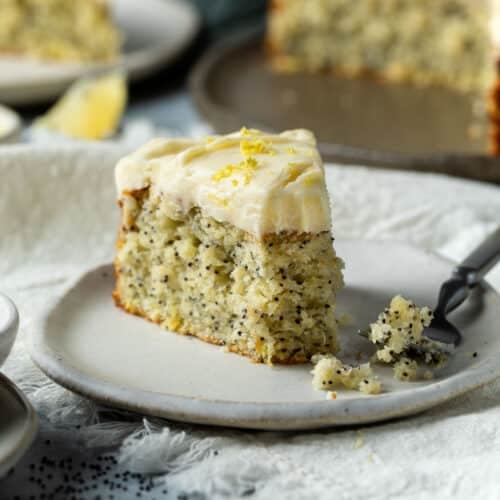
(259, 182)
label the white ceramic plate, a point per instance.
(155, 31)
(18, 425)
(88, 345)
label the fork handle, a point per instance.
(473, 269)
(468, 274)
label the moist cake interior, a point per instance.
(271, 299)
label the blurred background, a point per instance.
(191, 67)
(161, 95)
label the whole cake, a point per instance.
(452, 43)
(229, 239)
(67, 30)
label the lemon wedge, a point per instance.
(90, 109)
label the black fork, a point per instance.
(465, 277)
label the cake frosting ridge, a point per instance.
(259, 182)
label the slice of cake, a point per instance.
(451, 43)
(228, 239)
(76, 30)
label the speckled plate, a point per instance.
(356, 121)
(89, 346)
(154, 32)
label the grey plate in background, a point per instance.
(154, 31)
(355, 120)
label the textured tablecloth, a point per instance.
(58, 217)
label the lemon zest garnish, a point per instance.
(291, 151)
(224, 173)
(255, 147)
(235, 182)
(245, 168)
(209, 139)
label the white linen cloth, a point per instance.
(58, 217)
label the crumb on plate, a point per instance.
(397, 333)
(329, 372)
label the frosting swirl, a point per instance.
(261, 183)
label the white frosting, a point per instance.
(258, 182)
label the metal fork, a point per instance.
(465, 277)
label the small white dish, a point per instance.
(18, 422)
(10, 125)
(88, 345)
(18, 425)
(155, 31)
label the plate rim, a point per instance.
(30, 430)
(256, 415)
(450, 163)
(135, 63)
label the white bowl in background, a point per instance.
(18, 420)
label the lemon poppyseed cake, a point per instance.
(228, 239)
(452, 43)
(76, 30)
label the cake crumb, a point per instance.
(397, 333)
(331, 395)
(359, 441)
(405, 369)
(329, 372)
